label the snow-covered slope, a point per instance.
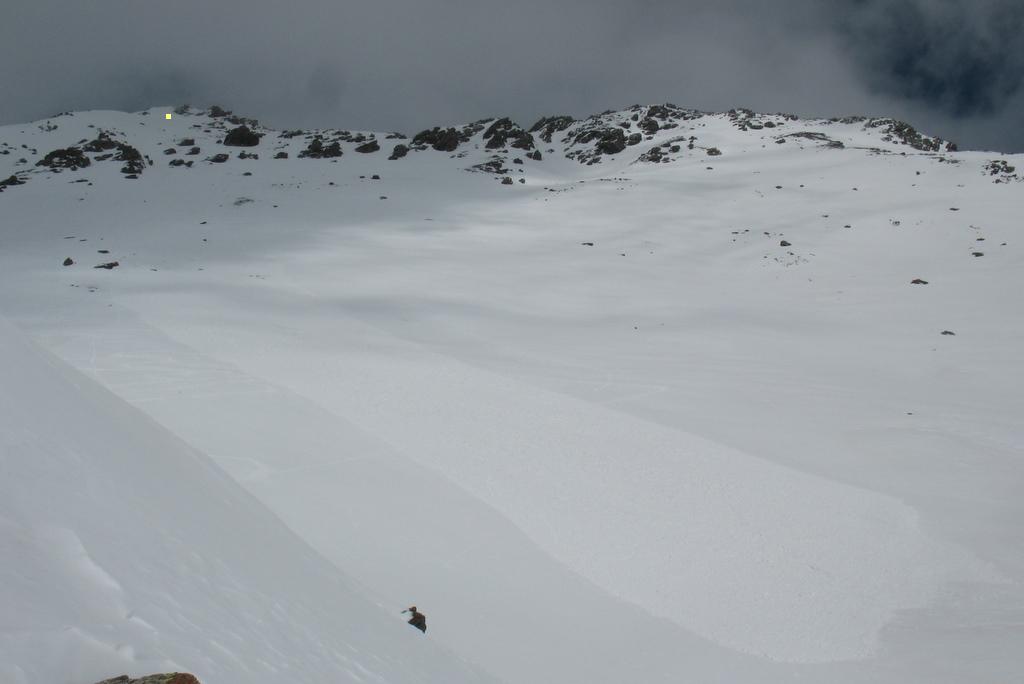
(124, 550)
(667, 405)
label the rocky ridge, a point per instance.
(640, 135)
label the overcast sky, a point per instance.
(953, 68)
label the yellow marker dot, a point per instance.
(167, 116)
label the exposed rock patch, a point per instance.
(242, 136)
(504, 132)
(317, 150)
(70, 158)
(169, 678)
(547, 126)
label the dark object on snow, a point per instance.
(242, 136)
(110, 265)
(169, 678)
(366, 148)
(218, 158)
(317, 150)
(66, 158)
(399, 152)
(281, 155)
(13, 180)
(418, 619)
(507, 180)
(918, 281)
(948, 332)
(69, 261)
(442, 140)
(785, 243)
(587, 244)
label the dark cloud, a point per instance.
(951, 66)
(963, 58)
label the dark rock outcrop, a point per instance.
(547, 126)
(368, 147)
(399, 152)
(902, 132)
(102, 143)
(169, 678)
(317, 150)
(243, 136)
(441, 139)
(607, 140)
(506, 132)
(132, 158)
(65, 158)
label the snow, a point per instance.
(127, 551)
(683, 452)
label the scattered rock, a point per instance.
(281, 155)
(69, 262)
(218, 158)
(366, 148)
(948, 332)
(918, 281)
(507, 180)
(714, 152)
(109, 265)
(587, 244)
(785, 243)
(176, 162)
(170, 150)
(375, 177)
(398, 152)
(978, 254)
(193, 151)
(187, 142)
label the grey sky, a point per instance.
(951, 67)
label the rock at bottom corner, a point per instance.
(168, 678)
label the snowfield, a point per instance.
(626, 420)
